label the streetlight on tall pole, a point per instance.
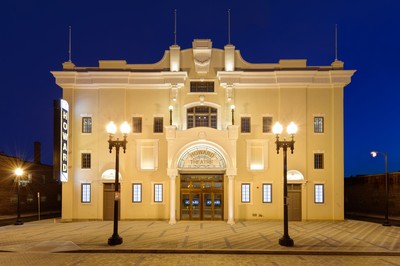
(18, 172)
(374, 154)
(115, 239)
(277, 129)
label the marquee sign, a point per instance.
(64, 141)
(202, 157)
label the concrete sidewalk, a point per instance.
(245, 237)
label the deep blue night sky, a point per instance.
(35, 41)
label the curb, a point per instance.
(240, 252)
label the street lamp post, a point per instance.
(18, 172)
(115, 239)
(284, 144)
(374, 154)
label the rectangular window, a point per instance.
(318, 124)
(158, 192)
(86, 191)
(267, 124)
(137, 125)
(86, 125)
(158, 124)
(319, 193)
(137, 192)
(85, 160)
(318, 161)
(201, 86)
(267, 193)
(246, 193)
(245, 125)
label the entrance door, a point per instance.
(202, 197)
(191, 206)
(212, 206)
(294, 202)
(108, 202)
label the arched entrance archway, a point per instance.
(202, 168)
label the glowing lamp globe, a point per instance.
(111, 128)
(277, 128)
(291, 128)
(125, 128)
(19, 171)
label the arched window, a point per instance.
(201, 116)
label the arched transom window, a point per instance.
(202, 116)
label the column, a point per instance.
(231, 201)
(172, 199)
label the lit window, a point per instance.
(86, 190)
(318, 161)
(267, 193)
(201, 86)
(158, 124)
(245, 125)
(246, 193)
(86, 125)
(318, 124)
(137, 192)
(158, 192)
(202, 116)
(267, 124)
(137, 125)
(85, 160)
(319, 193)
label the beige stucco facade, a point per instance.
(285, 91)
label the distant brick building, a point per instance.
(365, 194)
(39, 183)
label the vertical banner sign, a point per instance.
(64, 141)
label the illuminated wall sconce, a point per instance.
(170, 114)
(233, 114)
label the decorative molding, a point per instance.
(202, 55)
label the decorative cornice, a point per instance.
(130, 80)
(277, 78)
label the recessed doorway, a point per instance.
(108, 202)
(294, 202)
(202, 197)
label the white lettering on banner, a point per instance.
(64, 141)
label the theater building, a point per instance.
(201, 145)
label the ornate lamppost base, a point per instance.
(115, 240)
(19, 222)
(286, 241)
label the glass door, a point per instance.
(218, 206)
(185, 207)
(202, 197)
(196, 206)
(207, 206)
(190, 206)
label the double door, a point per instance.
(202, 197)
(202, 206)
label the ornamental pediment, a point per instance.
(202, 55)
